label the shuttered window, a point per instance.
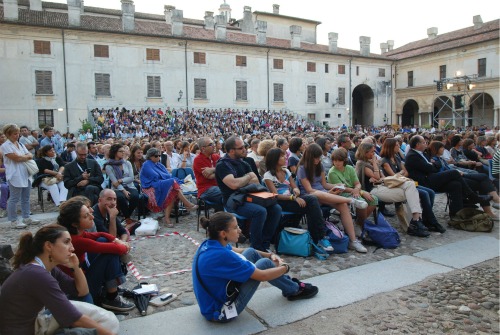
(341, 95)
(200, 58)
(481, 67)
(311, 94)
(278, 92)
(278, 64)
(410, 78)
(152, 54)
(311, 67)
(200, 88)
(241, 60)
(102, 84)
(42, 47)
(341, 69)
(241, 90)
(381, 72)
(154, 88)
(43, 80)
(101, 51)
(442, 72)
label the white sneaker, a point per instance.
(356, 245)
(359, 203)
(31, 221)
(3, 213)
(17, 225)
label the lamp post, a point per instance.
(349, 116)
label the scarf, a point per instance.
(116, 167)
(53, 161)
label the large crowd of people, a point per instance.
(99, 180)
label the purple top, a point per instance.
(316, 184)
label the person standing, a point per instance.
(16, 174)
(29, 141)
(50, 139)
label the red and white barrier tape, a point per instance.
(133, 270)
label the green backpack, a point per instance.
(471, 219)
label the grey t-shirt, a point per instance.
(27, 140)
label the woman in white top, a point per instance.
(15, 154)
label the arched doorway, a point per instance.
(480, 109)
(410, 113)
(362, 105)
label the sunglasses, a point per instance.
(156, 156)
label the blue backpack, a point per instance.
(380, 234)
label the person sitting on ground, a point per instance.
(204, 172)
(279, 180)
(53, 166)
(83, 176)
(37, 282)
(106, 216)
(121, 176)
(162, 189)
(369, 173)
(422, 170)
(390, 164)
(216, 263)
(343, 173)
(99, 254)
(311, 175)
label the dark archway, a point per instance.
(443, 111)
(410, 113)
(362, 105)
(481, 109)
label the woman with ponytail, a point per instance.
(37, 282)
(217, 267)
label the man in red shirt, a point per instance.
(204, 173)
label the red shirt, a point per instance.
(201, 161)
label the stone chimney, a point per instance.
(432, 33)
(209, 21)
(261, 27)
(364, 45)
(36, 5)
(332, 42)
(295, 34)
(478, 21)
(390, 45)
(74, 12)
(168, 13)
(128, 12)
(383, 48)
(220, 27)
(177, 24)
(276, 9)
(247, 25)
(10, 10)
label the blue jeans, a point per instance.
(248, 288)
(18, 194)
(264, 222)
(427, 196)
(214, 195)
(104, 270)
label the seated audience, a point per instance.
(216, 263)
(53, 166)
(106, 216)
(204, 172)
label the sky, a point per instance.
(401, 21)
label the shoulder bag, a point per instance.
(31, 167)
(298, 242)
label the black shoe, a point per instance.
(305, 292)
(116, 304)
(418, 229)
(387, 213)
(299, 282)
(436, 227)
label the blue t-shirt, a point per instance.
(217, 265)
(316, 184)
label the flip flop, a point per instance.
(192, 208)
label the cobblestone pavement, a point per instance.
(153, 256)
(459, 302)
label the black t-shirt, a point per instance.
(224, 167)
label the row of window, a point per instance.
(481, 71)
(102, 51)
(43, 80)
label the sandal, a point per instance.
(169, 224)
(192, 208)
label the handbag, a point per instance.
(395, 181)
(49, 181)
(31, 167)
(264, 199)
(472, 219)
(188, 185)
(339, 241)
(380, 234)
(298, 242)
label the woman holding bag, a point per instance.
(37, 282)
(52, 165)
(15, 154)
